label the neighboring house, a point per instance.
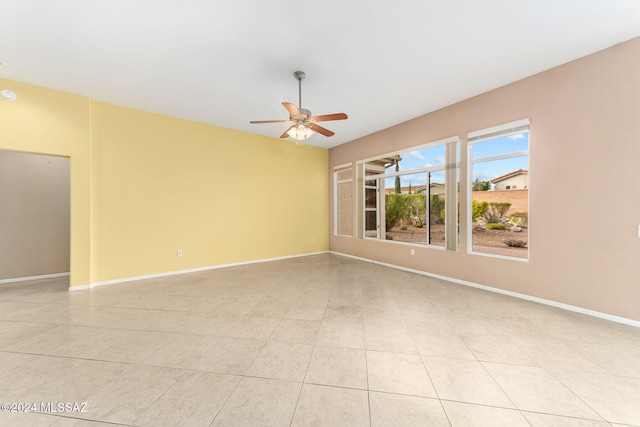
(516, 180)
(435, 188)
(415, 189)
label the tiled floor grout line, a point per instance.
(557, 379)
(366, 366)
(575, 394)
(424, 365)
(380, 299)
(159, 397)
(226, 400)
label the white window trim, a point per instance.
(376, 210)
(342, 166)
(408, 150)
(509, 155)
(407, 172)
(451, 243)
(506, 129)
(494, 132)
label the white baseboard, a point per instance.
(551, 303)
(24, 279)
(192, 270)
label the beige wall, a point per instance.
(34, 214)
(584, 244)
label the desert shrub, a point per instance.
(404, 227)
(436, 206)
(413, 207)
(495, 226)
(491, 216)
(515, 243)
(397, 208)
(418, 208)
(495, 212)
(478, 209)
(500, 207)
(519, 219)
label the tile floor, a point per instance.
(318, 340)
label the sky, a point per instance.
(434, 156)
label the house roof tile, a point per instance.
(509, 175)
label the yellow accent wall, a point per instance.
(219, 195)
(144, 185)
(51, 122)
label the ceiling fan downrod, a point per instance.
(302, 124)
(299, 75)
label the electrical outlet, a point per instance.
(413, 251)
(179, 252)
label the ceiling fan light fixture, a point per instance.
(302, 124)
(300, 132)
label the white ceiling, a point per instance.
(228, 62)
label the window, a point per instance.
(405, 194)
(343, 200)
(499, 190)
(371, 208)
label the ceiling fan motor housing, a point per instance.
(303, 124)
(304, 113)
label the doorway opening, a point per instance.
(35, 220)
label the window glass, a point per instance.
(499, 205)
(408, 192)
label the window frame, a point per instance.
(452, 148)
(482, 135)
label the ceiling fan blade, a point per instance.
(269, 121)
(285, 134)
(327, 117)
(320, 129)
(291, 108)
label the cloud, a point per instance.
(416, 154)
(517, 136)
(414, 179)
(427, 165)
(440, 159)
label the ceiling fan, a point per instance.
(303, 124)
